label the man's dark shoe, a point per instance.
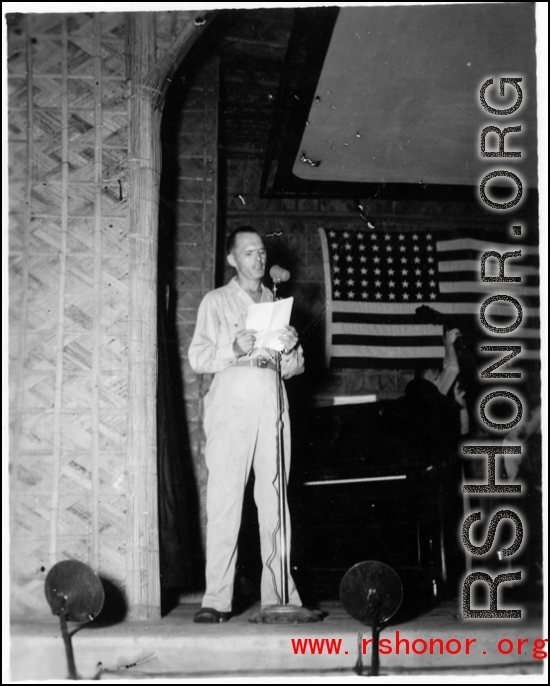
(207, 615)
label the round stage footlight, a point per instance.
(74, 591)
(371, 592)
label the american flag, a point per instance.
(376, 280)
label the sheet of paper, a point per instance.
(268, 319)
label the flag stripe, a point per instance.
(483, 246)
(477, 299)
(386, 329)
(530, 260)
(352, 340)
(345, 362)
(473, 268)
(526, 280)
(370, 318)
(472, 307)
(410, 354)
(389, 352)
(516, 289)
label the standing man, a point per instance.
(240, 421)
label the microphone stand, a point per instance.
(283, 613)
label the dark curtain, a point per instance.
(175, 475)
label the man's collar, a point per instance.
(234, 283)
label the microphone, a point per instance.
(279, 274)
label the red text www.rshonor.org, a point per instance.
(421, 646)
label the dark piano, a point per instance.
(360, 492)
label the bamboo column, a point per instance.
(142, 564)
(149, 79)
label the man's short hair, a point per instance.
(232, 238)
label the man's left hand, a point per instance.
(289, 338)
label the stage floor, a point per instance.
(176, 648)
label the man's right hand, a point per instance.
(244, 341)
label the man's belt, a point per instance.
(260, 362)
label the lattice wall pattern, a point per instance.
(68, 139)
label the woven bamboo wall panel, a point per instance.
(74, 518)
(47, 91)
(194, 256)
(17, 93)
(166, 26)
(47, 23)
(113, 350)
(81, 93)
(36, 433)
(113, 25)
(114, 199)
(17, 195)
(17, 162)
(113, 559)
(112, 431)
(189, 232)
(193, 167)
(189, 279)
(78, 311)
(33, 477)
(81, 166)
(114, 318)
(115, 129)
(31, 558)
(46, 198)
(46, 56)
(113, 513)
(17, 125)
(69, 267)
(74, 547)
(43, 299)
(16, 56)
(195, 188)
(194, 145)
(115, 164)
(192, 210)
(46, 157)
(80, 55)
(40, 352)
(114, 95)
(32, 515)
(113, 60)
(114, 303)
(190, 300)
(114, 234)
(77, 391)
(81, 236)
(76, 431)
(79, 277)
(113, 392)
(15, 265)
(81, 126)
(112, 475)
(39, 391)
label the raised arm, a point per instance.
(450, 363)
